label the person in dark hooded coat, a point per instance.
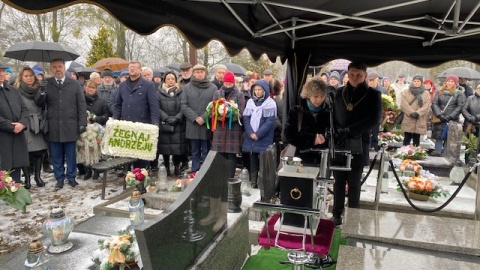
(13, 123)
(259, 121)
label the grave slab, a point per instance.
(419, 231)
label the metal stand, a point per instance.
(380, 175)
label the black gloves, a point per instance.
(91, 120)
(414, 115)
(81, 129)
(43, 83)
(444, 118)
(172, 121)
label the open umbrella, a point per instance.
(236, 69)
(113, 63)
(174, 66)
(340, 65)
(84, 71)
(462, 72)
(40, 51)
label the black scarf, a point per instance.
(417, 92)
(228, 91)
(205, 83)
(91, 99)
(26, 91)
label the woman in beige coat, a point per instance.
(415, 104)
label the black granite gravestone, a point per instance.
(176, 238)
(267, 173)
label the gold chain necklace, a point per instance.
(350, 106)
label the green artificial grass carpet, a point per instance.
(269, 259)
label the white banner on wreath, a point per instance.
(129, 139)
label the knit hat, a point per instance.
(107, 72)
(229, 77)
(8, 70)
(335, 75)
(402, 75)
(418, 77)
(219, 66)
(198, 66)
(453, 78)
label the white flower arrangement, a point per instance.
(129, 139)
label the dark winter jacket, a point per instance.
(66, 110)
(97, 106)
(450, 112)
(13, 150)
(365, 115)
(104, 92)
(471, 109)
(170, 107)
(266, 128)
(312, 124)
(139, 104)
(35, 136)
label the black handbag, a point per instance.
(354, 145)
(399, 119)
(166, 128)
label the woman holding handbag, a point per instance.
(415, 104)
(29, 88)
(446, 105)
(171, 140)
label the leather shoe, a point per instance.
(337, 221)
(58, 186)
(73, 183)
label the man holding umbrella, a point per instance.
(67, 115)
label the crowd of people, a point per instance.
(43, 117)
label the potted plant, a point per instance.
(471, 145)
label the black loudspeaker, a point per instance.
(295, 192)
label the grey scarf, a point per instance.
(417, 92)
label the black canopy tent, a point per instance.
(422, 32)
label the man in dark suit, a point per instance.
(357, 109)
(67, 118)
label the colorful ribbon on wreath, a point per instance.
(214, 115)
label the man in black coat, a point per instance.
(357, 109)
(67, 118)
(13, 122)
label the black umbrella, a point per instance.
(174, 66)
(74, 65)
(236, 69)
(40, 51)
(461, 72)
(83, 71)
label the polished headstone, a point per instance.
(454, 137)
(175, 238)
(266, 174)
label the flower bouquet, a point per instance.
(410, 152)
(88, 146)
(117, 251)
(139, 176)
(427, 187)
(222, 110)
(389, 137)
(13, 193)
(387, 102)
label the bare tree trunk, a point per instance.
(40, 25)
(55, 28)
(2, 7)
(121, 39)
(185, 51)
(205, 56)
